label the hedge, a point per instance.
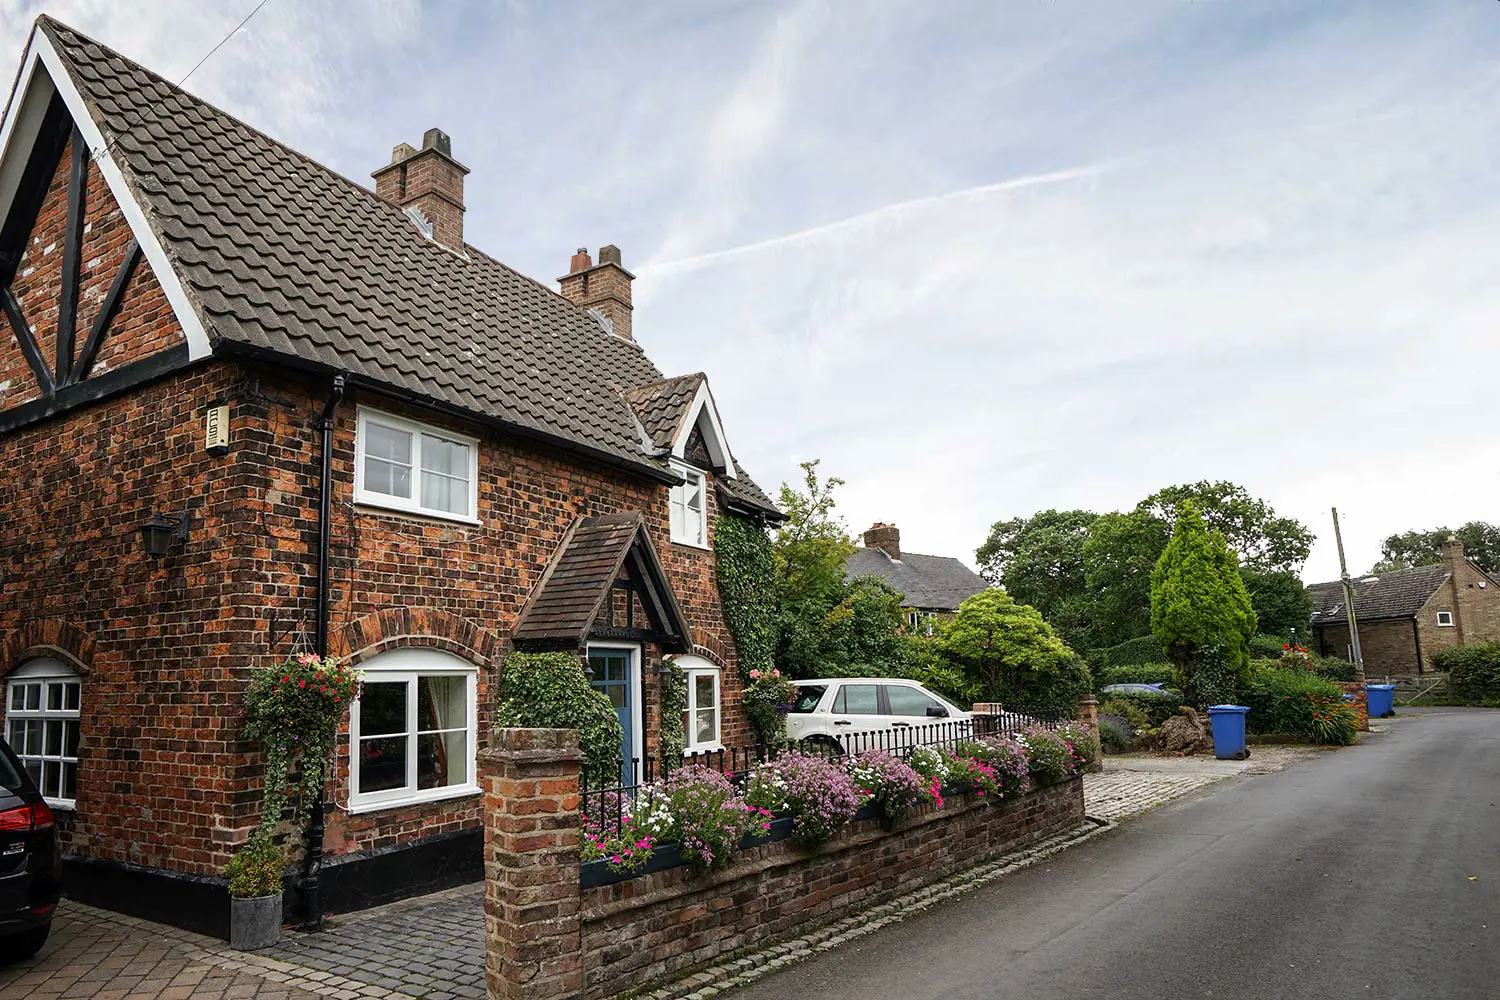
(1158, 708)
(1144, 649)
(1473, 671)
(551, 691)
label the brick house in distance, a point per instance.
(1407, 615)
(932, 586)
(249, 407)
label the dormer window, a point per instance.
(689, 507)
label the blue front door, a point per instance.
(611, 670)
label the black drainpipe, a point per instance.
(312, 896)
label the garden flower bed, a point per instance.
(703, 820)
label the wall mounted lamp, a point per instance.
(158, 534)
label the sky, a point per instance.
(979, 258)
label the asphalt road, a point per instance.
(1369, 872)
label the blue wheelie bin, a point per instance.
(1228, 723)
(1381, 699)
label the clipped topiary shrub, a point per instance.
(1301, 704)
(1214, 680)
(1473, 671)
(551, 691)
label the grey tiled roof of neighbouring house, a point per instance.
(1399, 594)
(284, 258)
(933, 583)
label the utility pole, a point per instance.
(1359, 660)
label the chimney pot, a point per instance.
(430, 180)
(886, 537)
(604, 286)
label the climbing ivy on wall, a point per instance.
(674, 691)
(747, 589)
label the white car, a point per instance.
(832, 708)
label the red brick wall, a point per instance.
(480, 574)
(161, 777)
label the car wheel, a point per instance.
(19, 947)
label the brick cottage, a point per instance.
(247, 407)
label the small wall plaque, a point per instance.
(216, 429)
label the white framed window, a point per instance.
(1445, 619)
(700, 719)
(413, 731)
(920, 622)
(42, 699)
(689, 507)
(405, 465)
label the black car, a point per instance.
(30, 869)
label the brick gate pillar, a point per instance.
(987, 717)
(531, 889)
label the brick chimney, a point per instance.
(604, 286)
(430, 180)
(884, 536)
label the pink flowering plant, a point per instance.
(994, 767)
(1081, 744)
(608, 832)
(816, 793)
(767, 698)
(699, 809)
(1051, 758)
(890, 783)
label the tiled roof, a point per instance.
(284, 257)
(565, 605)
(933, 583)
(1399, 594)
(662, 406)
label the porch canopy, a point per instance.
(605, 581)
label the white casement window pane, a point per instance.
(42, 727)
(445, 475)
(413, 735)
(702, 717)
(679, 515)
(387, 461)
(442, 759)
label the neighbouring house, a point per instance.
(1407, 615)
(249, 407)
(932, 586)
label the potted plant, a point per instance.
(292, 711)
(255, 875)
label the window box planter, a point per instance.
(254, 922)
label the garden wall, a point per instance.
(546, 937)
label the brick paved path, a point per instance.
(101, 956)
(1130, 785)
(431, 947)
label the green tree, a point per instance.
(812, 543)
(1011, 655)
(863, 630)
(1198, 598)
(1118, 558)
(1263, 540)
(1281, 602)
(1039, 561)
(1425, 548)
